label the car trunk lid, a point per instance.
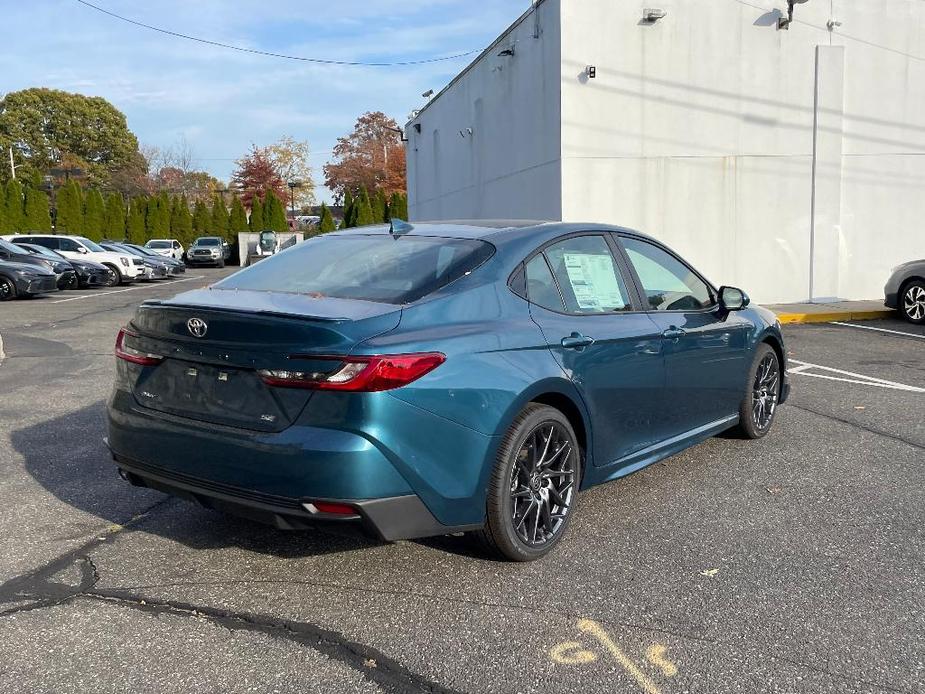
(214, 342)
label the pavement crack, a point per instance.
(388, 674)
(39, 589)
(856, 425)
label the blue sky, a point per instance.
(222, 101)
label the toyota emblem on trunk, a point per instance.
(197, 327)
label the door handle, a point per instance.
(577, 341)
(674, 333)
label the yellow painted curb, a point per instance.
(830, 316)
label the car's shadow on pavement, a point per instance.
(66, 456)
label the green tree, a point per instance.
(13, 205)
(349, 210)
(69, 213)
(237, 220)
(114, 217)
(157, 217)
(35, 206)
(135, 221)
(380, 207)
(326, 223)
(219, 226)
(274, 213)
(398, 207)
(43, 124)
(202, 220)
(181, 221)
(256, 220)
(364, 214)
(94, 209)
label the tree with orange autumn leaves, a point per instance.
(372, 157)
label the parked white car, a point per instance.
(169, 248)
(125, 267)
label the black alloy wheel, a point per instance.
(7, 289)
(763, 390)
(534, 487)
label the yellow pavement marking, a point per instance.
(656, 655)
(834, 316)
(571, 653)
(591, 627)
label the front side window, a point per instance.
(91, 245)
(669, 284)
(386, 269)
(588, 277)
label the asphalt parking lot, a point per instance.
(793, 564)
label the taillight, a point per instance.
(134, 355)
(366, 374)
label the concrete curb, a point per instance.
(1, 348)
(830, 316)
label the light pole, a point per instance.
(292, 186)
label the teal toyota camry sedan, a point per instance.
(419, 380)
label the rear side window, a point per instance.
(386, 269)
(68, 245)
(541, 287)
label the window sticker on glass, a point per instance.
(594, 282)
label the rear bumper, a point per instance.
(402, 517)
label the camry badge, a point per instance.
(197, 327)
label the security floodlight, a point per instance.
(785, 22)
(507, 53)
(653, 14)
(429, 93)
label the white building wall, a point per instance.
(508, 166)
(791, 163)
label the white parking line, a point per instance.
(804, 367)
(879, 330)
(119, 291)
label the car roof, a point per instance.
(493, 230)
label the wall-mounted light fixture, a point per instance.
(429, 93)
(417, 127)
(653, 14)
(465, 132)
(507, 53)
(833, 24)
(591, 72)
(784, 23)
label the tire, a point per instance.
(502, 536)
(912, 302)
(7, 289)
(221, 264)
(116, 278)
(764, 382)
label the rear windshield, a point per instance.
(207, 242)
(159, 244)
(386, 269)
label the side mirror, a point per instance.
(733, 299)
(81, 249)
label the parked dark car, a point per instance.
(905, 291)
(89, 274)
(65, 276)
(438, 378)
(174, 267)
(25, 280)
(208, 250)
(155, 268)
